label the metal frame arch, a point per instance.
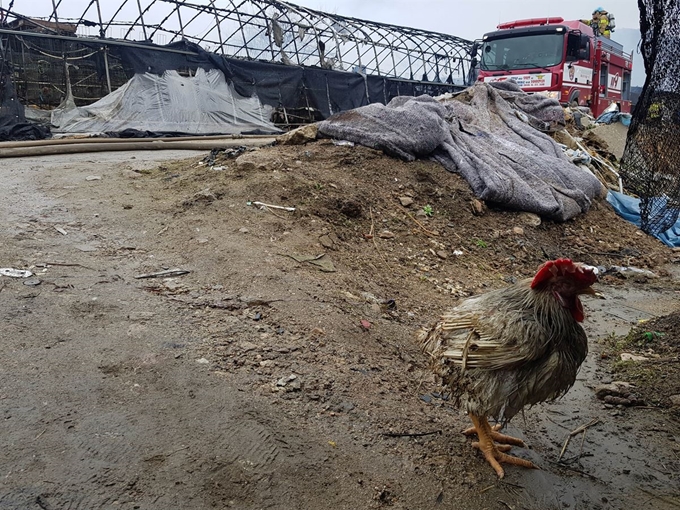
(242, 28)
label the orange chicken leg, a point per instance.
(492, 452)
(497, 436)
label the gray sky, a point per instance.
(470, 19)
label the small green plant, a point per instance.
(651, 335)
(428, 210)
(481, 244)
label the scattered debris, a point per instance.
(582, 428)
(60, 230)
(231, 153)
(202, 361)
(406, 201)
(269, 206)
(343, 143)
(93, 178)
(411, 434)
(578, 156)
(299, 136)
(164, 274)
(431, 233)
(618, 388)
(626, 271)
(289, 383)
(478, 207)
(618, 393)
(530, 219)
(365, 325)
(15, 273)
(627, 356)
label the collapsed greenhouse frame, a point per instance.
(258, 44)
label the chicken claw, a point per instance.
(492, 452)
(497, 436)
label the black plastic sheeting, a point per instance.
(13, 123)
(319, 93)
(279, 85)
(136, 133)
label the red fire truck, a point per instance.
(561, 58)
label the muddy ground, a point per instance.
(649, 357)
(251, 381)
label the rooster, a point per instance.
(510, 348)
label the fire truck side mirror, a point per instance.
(584, 47)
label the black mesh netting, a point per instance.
(650, 165)
(13, 123)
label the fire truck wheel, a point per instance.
(573, 100)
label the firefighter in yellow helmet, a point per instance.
(599, 23)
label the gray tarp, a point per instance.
(202, 104)
(486, 135)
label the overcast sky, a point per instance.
(470, 19)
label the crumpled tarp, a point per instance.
(485, 135)
(612, 117)
(629, 209)
(202, 104)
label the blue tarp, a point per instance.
(629, 209)
(611, 117)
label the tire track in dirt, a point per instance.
(252, 446)
(253, 466)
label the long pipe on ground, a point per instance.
(138, 145)
(59, 141)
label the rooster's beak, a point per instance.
(592, 292)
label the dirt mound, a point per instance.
(411, 215)
(649, 358)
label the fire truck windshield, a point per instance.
(523, 52)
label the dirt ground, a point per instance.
(280, 371)
(656, 372)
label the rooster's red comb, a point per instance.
(563, 267)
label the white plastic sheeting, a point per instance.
(201, 104)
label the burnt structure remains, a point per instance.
(304, 64)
